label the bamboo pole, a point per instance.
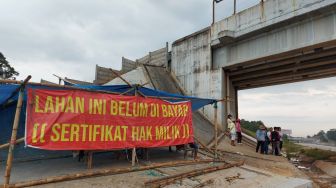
(110, 171)
(133, 156)
(244, 155)
(216, 129)
(134, 150)
(213, 12)
(56, 86)
(173, 178)
(89, 159)
(14, 133)
(4, 146)
(114, 72)
(204, 146)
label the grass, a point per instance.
(248, 132)
(293, 149)
(318, 154)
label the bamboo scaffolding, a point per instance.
(105, 172)
(83, 89)
(173, 178)
(14, 133)
(4, 146)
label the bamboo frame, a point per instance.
(57, 86)
(173, 178)
(17, 116)
(204, 146)
(82, 89)
(4, 146)
(10, 155)
(109, 171)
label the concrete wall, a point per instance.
(191, 65)
(157, 57)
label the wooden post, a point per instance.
(89, 159)
(134, 150)
(234, 7)
(119, 76)
(213, 12)
(14, 133)
(226, 93)
(133, 156)
(216, 128)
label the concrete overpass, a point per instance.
(274, 42)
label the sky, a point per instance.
(68, 38)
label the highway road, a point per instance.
(330, 148)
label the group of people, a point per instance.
(265, 137)
(234, 130)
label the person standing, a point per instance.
(260, 135)
(232, 129)
(281, 139)
(275, 141)
(238, 131)
(267, 140)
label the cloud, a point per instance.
(68, 38)
(87, 32)
(305, 107)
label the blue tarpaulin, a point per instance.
(8, 106)
(197, 103)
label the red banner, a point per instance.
(82, 120)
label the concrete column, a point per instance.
(229, 94)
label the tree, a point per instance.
(332, 134)
(321, 136)
(251, 125)
(6, 71)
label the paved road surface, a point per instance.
(331, 148)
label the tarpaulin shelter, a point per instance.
(8, 100)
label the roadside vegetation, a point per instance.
(294, 150)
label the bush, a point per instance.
(318, 154)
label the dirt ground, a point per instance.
(258, 171)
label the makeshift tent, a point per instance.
(8, 100)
